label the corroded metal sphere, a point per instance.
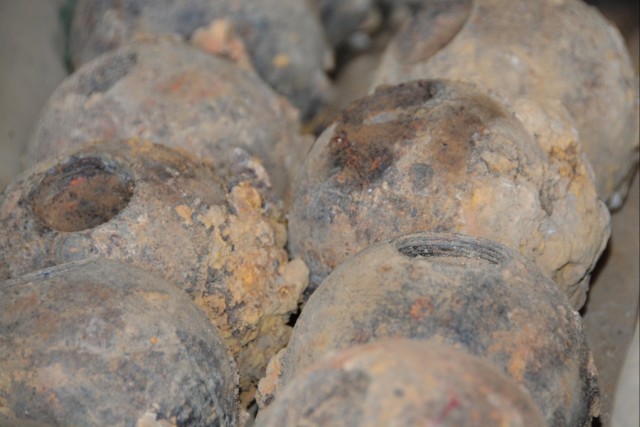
(474, 294)
(168, 213)
(174, 94)
(545, 50)
(401, 383)
(283, 39)
(100, 343)
(436, 155)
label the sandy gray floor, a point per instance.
(611, 310)
(626, 412)
(31, 47)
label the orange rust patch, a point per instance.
(420, 308)
(375, 130)
(567, 160)
(185, 213)
(220, 38)
(281, 61)
(80, 180)
(177, 84)
(365, 139)
(517, 365)
(384, 268)
(189, 86)
(81, 193)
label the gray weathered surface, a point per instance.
(99, 343)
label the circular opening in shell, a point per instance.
(81, 193)
(461, 251)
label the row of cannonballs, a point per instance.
(173, 219)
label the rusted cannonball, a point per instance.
(442, 156)
(283, 39)
(563, 50)
(174, 94)
(399, 382)
(471, 293)
(163, 211)
(97, 343)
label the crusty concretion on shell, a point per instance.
(548, 49)
(436, 155)
(168, 213)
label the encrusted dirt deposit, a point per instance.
(161, 210)
(400, 382)
(283, 38)
(560, 50)
(172, 93)
(442, 156)
(474, 294)
(100, 343)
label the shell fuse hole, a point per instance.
(458, 253)
(81, 194)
